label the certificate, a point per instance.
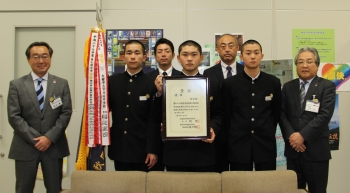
(185, 108)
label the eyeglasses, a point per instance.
(43, 57)
(308, 63)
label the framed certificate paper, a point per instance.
(186, 107)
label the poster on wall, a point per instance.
(206, 60)
(334, 127)
(321, 39)
(116, 39)
(280, 159)
(282, 69)
(337, 73)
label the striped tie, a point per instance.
(40, 93)
(302, 93)
(229, 73)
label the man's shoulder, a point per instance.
(155, 71)
(212, 69)
(175, 72)
(57, 78)
(326, 82)
(291, 82)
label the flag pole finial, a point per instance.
(98, 18)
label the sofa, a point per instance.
(280, 181)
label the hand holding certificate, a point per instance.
(186, 108)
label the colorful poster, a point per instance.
(116, 39)
(334, 127)
(321, 39)
(337, 73)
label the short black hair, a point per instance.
(250, 42)
(137, 42)
(38, 44)
(164, 41)
(190, 43)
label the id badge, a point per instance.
(56, 103)
(312, 106)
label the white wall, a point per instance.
(268, 21)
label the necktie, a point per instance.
(40, 93)
(229, 73)
(302, 93)
(165, 74)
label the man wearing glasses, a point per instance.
(39, 109)
(307, 107)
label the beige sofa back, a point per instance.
(107, 182)
(185, 182)
(280, 181)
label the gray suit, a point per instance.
(28, 122)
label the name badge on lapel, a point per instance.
(144, 98)
(269, 98)
(312, 105)
(55, 102)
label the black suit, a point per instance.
(159, 165)
(221, 147)
(313, 127)
(153, 74)
(132, 133)
(252, 110)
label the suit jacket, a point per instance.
(28, 122)
(153, 74)
(312, 126)
(216, 75)
(215, 72)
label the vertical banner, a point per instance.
(95, 128)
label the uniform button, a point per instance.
(126, 119)
(253, 107)
(127, 106)
(125, 132)
(253, 82)
(129, 93)
(135, 76)
(251, 131)
(253, 119)
(253, 94)
(130, 80)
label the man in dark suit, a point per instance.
(227, 47)
(192, 155)
(134, 140)
(307, 107)
(164, 53)
(252, 101)
(39, 109)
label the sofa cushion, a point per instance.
(108, 181)
(175, 182)
(259, 181)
